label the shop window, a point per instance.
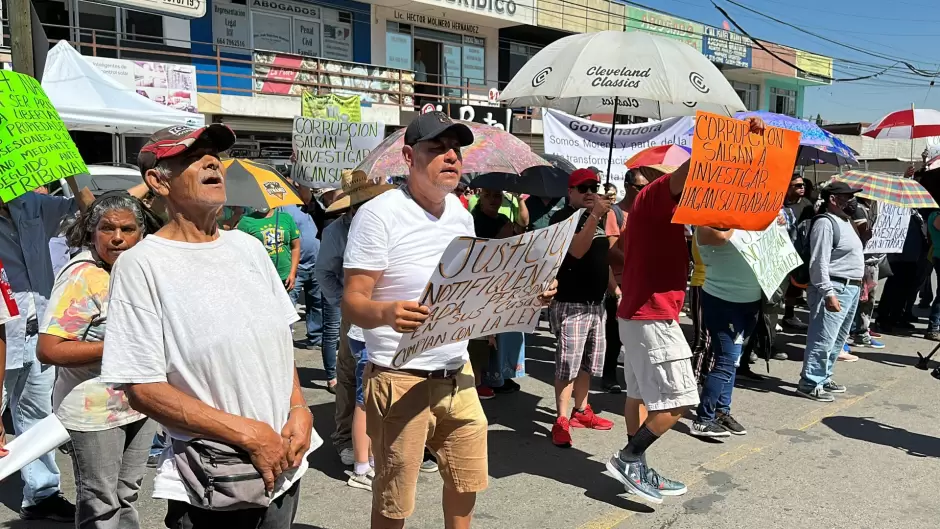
(783, 101)
(749, 94)
(143, 27)
(329, 37)
(271, 32)
(519, 54)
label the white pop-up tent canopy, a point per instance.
(89, 100)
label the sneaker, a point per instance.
(587, 419)
(847, 357)
(747, 374)
(485, 392)
(873, 334)
(708, 429)
(508, 387)
(429, 464)
(633, 475)
(832, 387)
(845, 348)
(153, 460)
(612, 387)
(726, 421)
(347, 457)
(795, 323)
(561, 433)
(818, 394)
(55, 508)
(868, 341)
(933, 336)
(665, 486)
(361, 481)
(780, 355)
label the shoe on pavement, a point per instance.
(587, 419)
(55, 508)
(561, 433)
(832, 387)
(612, 387)
(633, 475)
(780, 355)
(873, 334)
(665, 486)
(508, 387)
(933, 336)
(818, 394)
(846, 357)
(866, 340)
(795, 323)
(726, 421)
(361, 481)
(429, 464)
(347, 457)
(708, 429)
(747, 374)
(485, 392)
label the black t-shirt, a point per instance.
(583, 280)
(488, 227)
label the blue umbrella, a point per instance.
(816, 144)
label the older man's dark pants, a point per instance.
(345, 392)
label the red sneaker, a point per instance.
(587, 419)
(485, 392)
(873, 334)
(561, 436)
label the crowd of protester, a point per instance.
(130, 333)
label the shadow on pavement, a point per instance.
(312, 378)
(325, 459)
(888, 359)
(864, 429)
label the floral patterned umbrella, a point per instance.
(493, 151)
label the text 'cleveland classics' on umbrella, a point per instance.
(888, 188)
(255, 185)
(617, 72)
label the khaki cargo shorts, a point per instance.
(404, 413)
(657, 364)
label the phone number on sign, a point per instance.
(183, 3)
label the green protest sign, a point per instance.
(35, 146)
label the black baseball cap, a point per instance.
(840, 188)
(431, 125)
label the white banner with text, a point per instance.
(325, 148)
(890, 229)
(769, 254)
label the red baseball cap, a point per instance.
(173, 141)
(581, 176)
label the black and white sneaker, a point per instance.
(633, 475)
(726, 421)
(832, 387)
(817, 394)
(665, 486)
(708, 429)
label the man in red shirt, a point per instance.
(660, 382)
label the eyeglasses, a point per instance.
(587, 188)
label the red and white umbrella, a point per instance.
(906, 125)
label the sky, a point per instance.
(909, 30)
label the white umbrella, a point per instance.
(638, 73)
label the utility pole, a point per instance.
(21, 36)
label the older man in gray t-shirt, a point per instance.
(836, 267)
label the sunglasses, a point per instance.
(587, 188)
(797, 185)
(638, 187)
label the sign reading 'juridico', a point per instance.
(500, 7)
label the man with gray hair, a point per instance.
(215, 368)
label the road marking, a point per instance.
(740, 453)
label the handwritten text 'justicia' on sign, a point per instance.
(737, 179)
(325, 148)
(483, 287)
(35, 146)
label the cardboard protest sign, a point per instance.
(890, 229)
(488, 286)
(769, 254)
(324, 148)
(35, 146)
(331, 106)
(736, 179)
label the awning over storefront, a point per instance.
(89, 100)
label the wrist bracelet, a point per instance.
(297, 407)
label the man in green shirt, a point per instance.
(280, 237)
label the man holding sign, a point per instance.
(395, 243)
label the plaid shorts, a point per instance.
(581, 338)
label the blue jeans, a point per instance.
(28, 390)
(826, 334)
(935, 307)
(507, 360)
(358, 350)
(307, 285)
(730, 326)
(331, 324)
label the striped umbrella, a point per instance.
(906, 125)
(888, 188)
(255, 185)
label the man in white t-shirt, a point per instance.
(395, 242)
(199, 335)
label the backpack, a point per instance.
(800, 276)
(618, 214)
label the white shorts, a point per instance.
(657, 364)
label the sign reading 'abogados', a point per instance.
(737, 179)
(617, 77)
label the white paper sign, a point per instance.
(325, 148)
(230, 25)
(488, 286)
(769, 254)
(586, 143)
(890, 229)
(46, 435)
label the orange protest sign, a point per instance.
(736, 179)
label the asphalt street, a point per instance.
(870, 460)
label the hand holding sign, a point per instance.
(738, 174)
(404, 316)
(35, 146)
